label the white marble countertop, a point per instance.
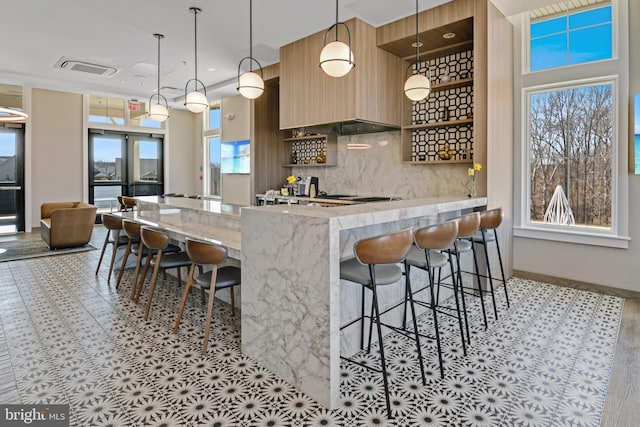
(207, 205)
(363, 214)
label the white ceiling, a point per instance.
(119, 33)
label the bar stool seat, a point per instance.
(354, 271)
(157, 240)
(490, 220)
(416, 258)
(376, 263)
(203, 253)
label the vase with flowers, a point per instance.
(477, 167)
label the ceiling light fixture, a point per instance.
(158, 111)
(418, 86)
(449, 35)
(195, 101)
(358, 146)
(336, 58)
(250, 84)
(12, 116)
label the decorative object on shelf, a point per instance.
(250, 84)
(418, 86)
(422, 157)
(477, 167)
(336, 58)
(11, 115)
(446, 153)
(195, 101)
(321, 157)
(446, 77)
(445, 115)
(294, 157)
(158, 111)
(470, 115)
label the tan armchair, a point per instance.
(66, 224)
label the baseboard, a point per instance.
(608, 290)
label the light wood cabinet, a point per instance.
(370, 92)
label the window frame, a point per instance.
(526, 158)
(207, 134)
(616, 69)
(614, 43)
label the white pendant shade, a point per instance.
(158, 112)
(417, 87)
(250, 85)
(336, 59)
(196, 102)
(12, 115)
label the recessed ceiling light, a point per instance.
(448, 35)
(414, 44)
(211, 69)
(122, 82)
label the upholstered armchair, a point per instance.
(66, 224)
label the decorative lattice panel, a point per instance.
(449, 142)
(445, 143)
(307, 150)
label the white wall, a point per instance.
(56, 163)
(617, 268)
(183, 153)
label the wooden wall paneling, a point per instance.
(267, 155)
(271, 71)
(499, 125)
(480, 102)
(390, 37)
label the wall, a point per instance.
(183, 153)
(612, 267)
(379, 171)
(236, 188)
(56, 146)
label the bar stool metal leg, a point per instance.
(380, 341)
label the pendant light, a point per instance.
(336, 58)
(11, 115)
(158, 111)
(195, 101)
(250, 84)
(418, 86)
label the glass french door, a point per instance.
(11, 178)
(123, 164)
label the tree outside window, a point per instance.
(571, 145)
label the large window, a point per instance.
(212, 161)
(570, 33)
(573, 185)
(120, 112)
(571, 154)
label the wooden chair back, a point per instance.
(438, 236)
(205, 253)
(386, 249)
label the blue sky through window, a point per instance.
(572, 39)
(7, 144)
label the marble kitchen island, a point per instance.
(293, 301)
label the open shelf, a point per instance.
(436, 162)
(449, 123)
(452, 84)
(308, 147)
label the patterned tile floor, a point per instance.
(66, 336)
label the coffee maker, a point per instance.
(306, 184)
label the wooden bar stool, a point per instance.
(132, 230)
(426, 255)
(157, 241)
(202, 254)
(113, 224)
(468, 226)
(489, 221)
(376, 264)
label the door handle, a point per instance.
(13, 187)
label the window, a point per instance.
(569, 33)
(571, 155)
(212, 149)
(120, 112)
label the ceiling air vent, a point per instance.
(85, 67)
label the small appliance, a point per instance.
(306, 183)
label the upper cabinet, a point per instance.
(370, 92)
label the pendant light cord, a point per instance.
(336, 20)
(251, 35)
(195, 37)
(159, 37)
(417, 41)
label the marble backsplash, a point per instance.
(380, 171)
